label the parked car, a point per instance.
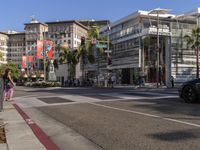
(190, 91)
(40, 81)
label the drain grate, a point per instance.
(52, 100)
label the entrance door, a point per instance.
(126, 76)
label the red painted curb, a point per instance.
(43, 138)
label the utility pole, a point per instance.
(158, 52)
(44, 55)
(108, 55)
(158, 11)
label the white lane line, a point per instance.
(26, 96)
(148, 115)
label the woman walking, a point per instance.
(8, 85)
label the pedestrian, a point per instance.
(8, 85)
(172, 81)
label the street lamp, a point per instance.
(158, 11)
(108, 54)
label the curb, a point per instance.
(43, 138)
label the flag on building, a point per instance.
(24, 62)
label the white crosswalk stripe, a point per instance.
(33, 100)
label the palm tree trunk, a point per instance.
(83, 67)
(197, 74)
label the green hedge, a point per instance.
(46, 84)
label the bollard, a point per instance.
(1, 94)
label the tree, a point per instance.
(70, 57)
(14, 70)
(193, 41)
(1, 55)
(86, 51)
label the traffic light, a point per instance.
(82, 40)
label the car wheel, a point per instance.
(189, 94)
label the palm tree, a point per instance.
(86, 51)
(1, 55)
(193, 40)
(69, 57)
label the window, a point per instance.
(69, 41)
(69, 34)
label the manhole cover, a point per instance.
(51, 100)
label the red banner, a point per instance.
(48, 46)
(39, 49)
(24, 62)
(30, 58)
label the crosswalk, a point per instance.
(35, 100)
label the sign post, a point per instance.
(1, 94)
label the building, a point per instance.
(3, 47)
(134, 48)
(66, 33)
(34, 31)
(16, 48)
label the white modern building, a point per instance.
(135, 47)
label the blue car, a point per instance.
(190, 91)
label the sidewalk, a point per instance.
(19, 136)
(146, 86)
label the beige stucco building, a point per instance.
(3, 47)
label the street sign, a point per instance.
(101, 46)
(108, 51)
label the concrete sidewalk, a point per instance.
(19, 136)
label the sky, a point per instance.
(14, 13)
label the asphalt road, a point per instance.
(124, 119)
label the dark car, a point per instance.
(190, 91)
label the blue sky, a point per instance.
(14, 13)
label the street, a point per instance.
(114, 119)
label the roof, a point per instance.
(19, 33)
(3, 33)
(194, 12)
(92, 22)
(67, 21)
(137, 14)
(36, 23)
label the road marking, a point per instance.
(148, 115)
(26, 96)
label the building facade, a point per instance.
(134, 48)
(3, 47)
(16, 48)
(67, 33)
(34, 31)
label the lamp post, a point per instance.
(108, 55)
(158, 11)
(44, 55)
